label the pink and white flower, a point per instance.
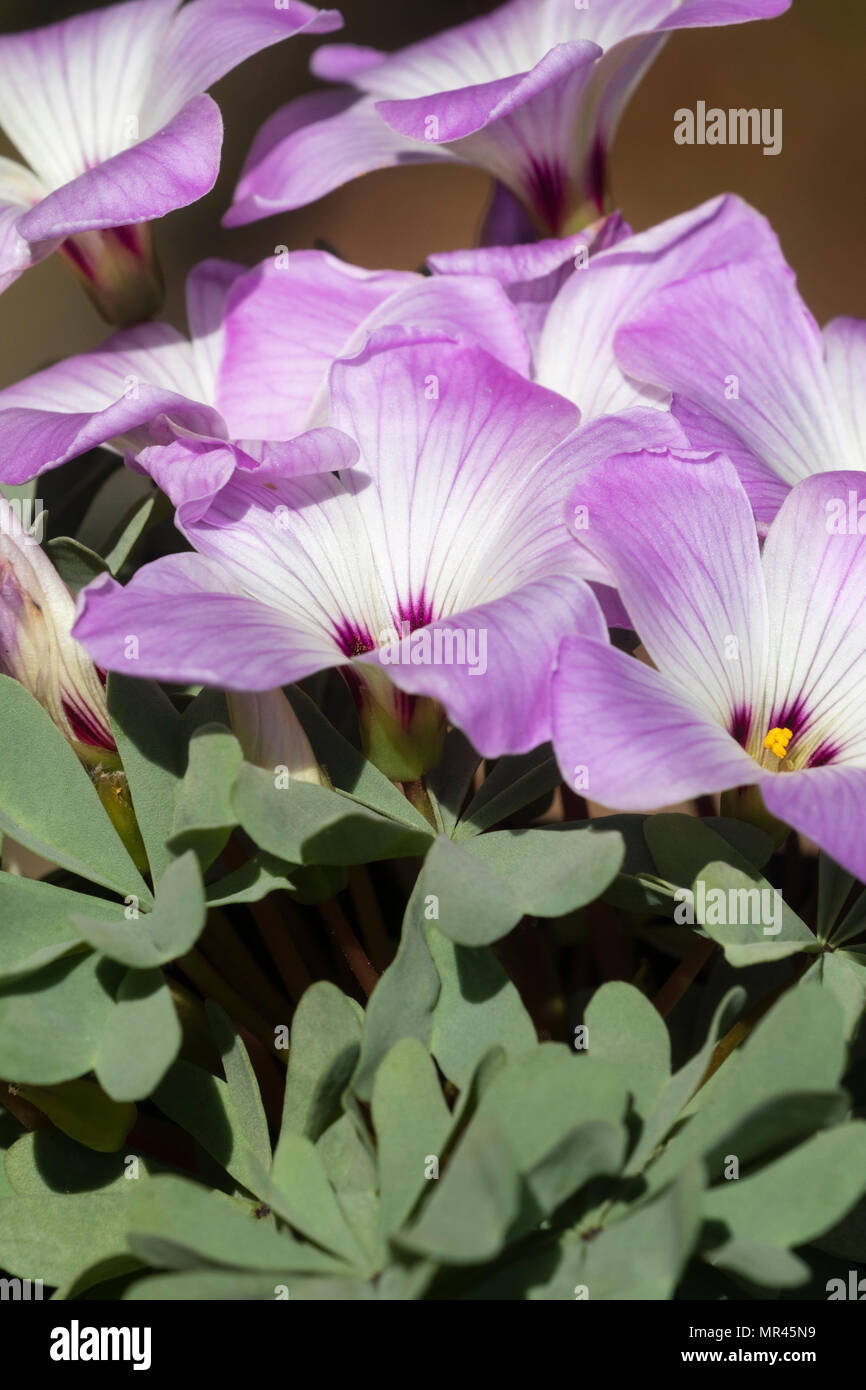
(109, 113)
(532, 93)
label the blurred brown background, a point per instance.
(811, 63)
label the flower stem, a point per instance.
(366, 905)
(275, 929)
(276, 932)
(224, 945)
(113, 791)
(582, 217)
(167, 1143)
(348, 943)
(743, 1027)
(747, 804)
(211, 984)
(419, 796)
(26, 1114)
(686, 972)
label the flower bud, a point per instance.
(402, 734)
(747, 804)
(37, 649)
(271, 736)
(119, 272)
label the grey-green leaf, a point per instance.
(325, 1043)
(36, 928)
(412, 1124)
(52, 1236)
(142, 1037)
(625, 1029)
(241, 1081)
(147, 729)
(486, 884)
(157, 937)
(180, 1225)
(48, 802)
(51, 1022)
(477, 1007)
(203, 812)
(798, 1197)
(306, 824)
(469, 1213)
(515, 782)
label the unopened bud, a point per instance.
(271, 736)
(37, 648)
(118, 270)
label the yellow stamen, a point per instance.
(777, 741)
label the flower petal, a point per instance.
(520, 128)
(535, 272)
(519, 265)
(828, 804)
(506, 220)
(631, 738)
(322, 450)
(465, 507)
(696, 13)
(207, 290)
(71, 93)
(473, 309)
(168, 170)
(315, 144)
(36, 440)
(499, 693)
(284, 326)
(765, 490)
(36, 612)
(153, 353)
(182, 619)
(19, 190)
(814, 565)
(101, 396)
(209, 38)
(594, 444)
(845, 354)
(463, 111)
(576, 352)
(297, 545)
(677, 534)
(192, 470)
(16, 254)
(760, 370)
